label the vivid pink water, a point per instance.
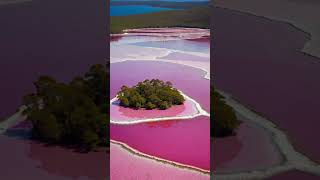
(119, 113)
(187, 79)
(183, 141)
(125, 165)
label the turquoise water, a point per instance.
(134, 9)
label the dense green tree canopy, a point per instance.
(150, 94)
(71, 114)
(224, 120)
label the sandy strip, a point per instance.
(173, 163)
(200, 112)
(293, 159)
(12, 120)
(173, 32)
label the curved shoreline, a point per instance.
(161, 160)
(308, 47)
(190, 31)
(292, 158)
(206, 72)
(199, 109)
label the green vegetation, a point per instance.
(150, 94)
(224, 118)
(195, 17)
(73, 114)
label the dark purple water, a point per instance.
(57, 38)
(294, 175)
(252, 148)
(268, 72)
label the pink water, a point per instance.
(119, 113)
(183, 141)
(125, 165)
(187, 79)
(252, 148)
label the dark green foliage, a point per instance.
(90, 139)
(48, 130)
(71, 114)
(224, 118)
(150, 94)
(195, 17)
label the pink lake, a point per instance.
(183, 141)
(125, 165)
(185, 78)
(118, 113)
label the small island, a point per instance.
(225, 121)
(150, 94)
(74, 114)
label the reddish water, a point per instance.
(184, 141)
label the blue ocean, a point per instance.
(134, 9)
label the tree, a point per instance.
(70, 114)
(150, 94)
(150, 106)
(163, 105)
(224, 118)
(90, 140)
(45, 126)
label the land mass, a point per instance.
(74, 114)
(197, 17)
(150, 94)
(224, 121)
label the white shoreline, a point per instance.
(14, 119)
(293, 160)
(157, 159)
(199, 109)
(163, 52)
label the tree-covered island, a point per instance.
(72, 114)
(150, 94)
(225, 121)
